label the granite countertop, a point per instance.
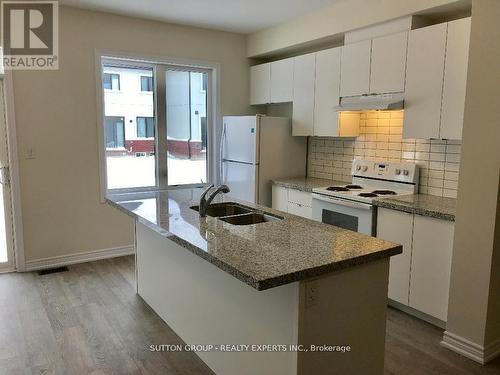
(306, 183)
(263, 255)
(421, 204)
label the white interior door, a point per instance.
(6, 229)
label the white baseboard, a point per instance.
(87, 256)
(470, 349)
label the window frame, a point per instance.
(159, 67)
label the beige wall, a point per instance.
(337, 18)
(471, 275)
(493, 314)
(56, 116)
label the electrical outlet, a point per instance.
(311, 293)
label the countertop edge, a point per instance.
(261, 285)
(401, 206)
(291, 185)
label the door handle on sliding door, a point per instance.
(221, 152)
(4, 176)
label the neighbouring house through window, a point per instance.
(145, 127)
(115, 132)
(171, 136)
(146, 83)
(111, 81)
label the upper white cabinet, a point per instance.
(431, 266)
(455, 79)
(388, 63)
(271, 82)
(355, 69)
(303, 94)
(282, 81)
(316, 93)
(375, 66)
(436, 77)
(424, 81)
(327, 92)
(260, 84)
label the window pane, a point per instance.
(106, 81)
(115, 81)
(146, 83)
(141, 127)
(124, 106)
(186, 108)
(145, 127)
(114, 132)
(150, 127)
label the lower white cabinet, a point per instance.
(431, 265)
(396, 226)
(300, 210)
(280, 198)
(293, 201)
(420, 276)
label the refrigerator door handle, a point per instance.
(221, 152)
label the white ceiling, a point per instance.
(242, 16)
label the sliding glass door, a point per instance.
(129, 116)
(157, 125)
(6, 226)
(186, 124)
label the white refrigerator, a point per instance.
(254, 150)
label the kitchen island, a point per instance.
(282, 285)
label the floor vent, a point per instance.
(53, 270)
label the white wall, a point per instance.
(56, 116)
(474, 310)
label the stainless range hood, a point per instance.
(371, 102)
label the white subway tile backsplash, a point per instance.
(381, 138)
(450, 184)
(453, 158)
(436, 156)
(436, 174)
(453, 176)
(438, 148)
(450, 193)
(452, 167)
(435, 191)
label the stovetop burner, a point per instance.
(368, 195)
(384, 192)
(354, 187)
(337, 188)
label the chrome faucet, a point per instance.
(205, 202)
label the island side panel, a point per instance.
(345, 308)
(205, 305)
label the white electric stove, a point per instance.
(350, 206)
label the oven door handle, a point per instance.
(342, 202)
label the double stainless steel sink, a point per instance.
(238, 214)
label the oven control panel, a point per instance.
(401, 172)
